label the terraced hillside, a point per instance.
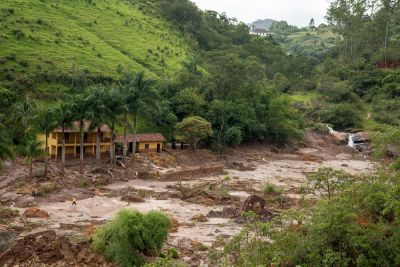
(86, 36)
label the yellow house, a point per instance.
(72, 141)
(144, 142)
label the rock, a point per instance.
(174, 225)
(227, 213)
(38, 173)
(254, 203)
(45, 248)
(199, 218)
(131, 198)
(35, 213)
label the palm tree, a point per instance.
(114, 109)
(96, 100)
(80, 113)
(139, 95)
(6, 148)
(22, 115)
(64, 118)
(45, 122)
(31, 149)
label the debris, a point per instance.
(131, 198)
(199, 218)
(35, 213)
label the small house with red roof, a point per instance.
(152, 142)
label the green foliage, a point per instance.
(73, 32)
(47, 189)
(344, 116)
(270, 188)
(192, 130)
(386, 142)
(6, 147)
(233, 136)
(357, 226)
(130, 235)
(327, 182)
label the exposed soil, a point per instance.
(204, 195)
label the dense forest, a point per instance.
(201, 78)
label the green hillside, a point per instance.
(97, 38)
(310, 42)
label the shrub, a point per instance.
(344, 116)
(130, 235)
(233, 136)
(47, 189)
(271, 189)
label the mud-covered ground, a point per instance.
(201, 192)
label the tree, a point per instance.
(114, 109)
(188, 102)
(312, 23)
(31, 148)
(139, 96)
(233, 136)
(192, 130)
(80, 111)
(6, 148)
(96, 101)
(46, 122)
(64, 118)
(327, 182)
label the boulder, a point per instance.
(35, 213)
(254, 203)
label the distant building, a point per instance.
(72, 141)
(144, 142)
(260, 32)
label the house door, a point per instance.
(158, 148)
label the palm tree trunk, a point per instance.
(134, 135)
(63, 154)
(81, 147)
(46, 156)
(125, 135)
(98, 146)
(30, 168)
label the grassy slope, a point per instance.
(70, 36)
(320, 40)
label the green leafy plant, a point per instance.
(130, 235)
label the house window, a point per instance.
(147, 146)
(53, 136)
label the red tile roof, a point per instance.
(152, 137)
(75, 128)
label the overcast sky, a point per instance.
(295, 12)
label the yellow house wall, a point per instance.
(152, 145)
(51, 141)
(72, 143)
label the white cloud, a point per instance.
(295, 12)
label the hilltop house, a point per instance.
(144, 142)
(260, 32)
(72, 141)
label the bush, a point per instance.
(130, 235)
(344, 116)
(357, 226)
(233, 136)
